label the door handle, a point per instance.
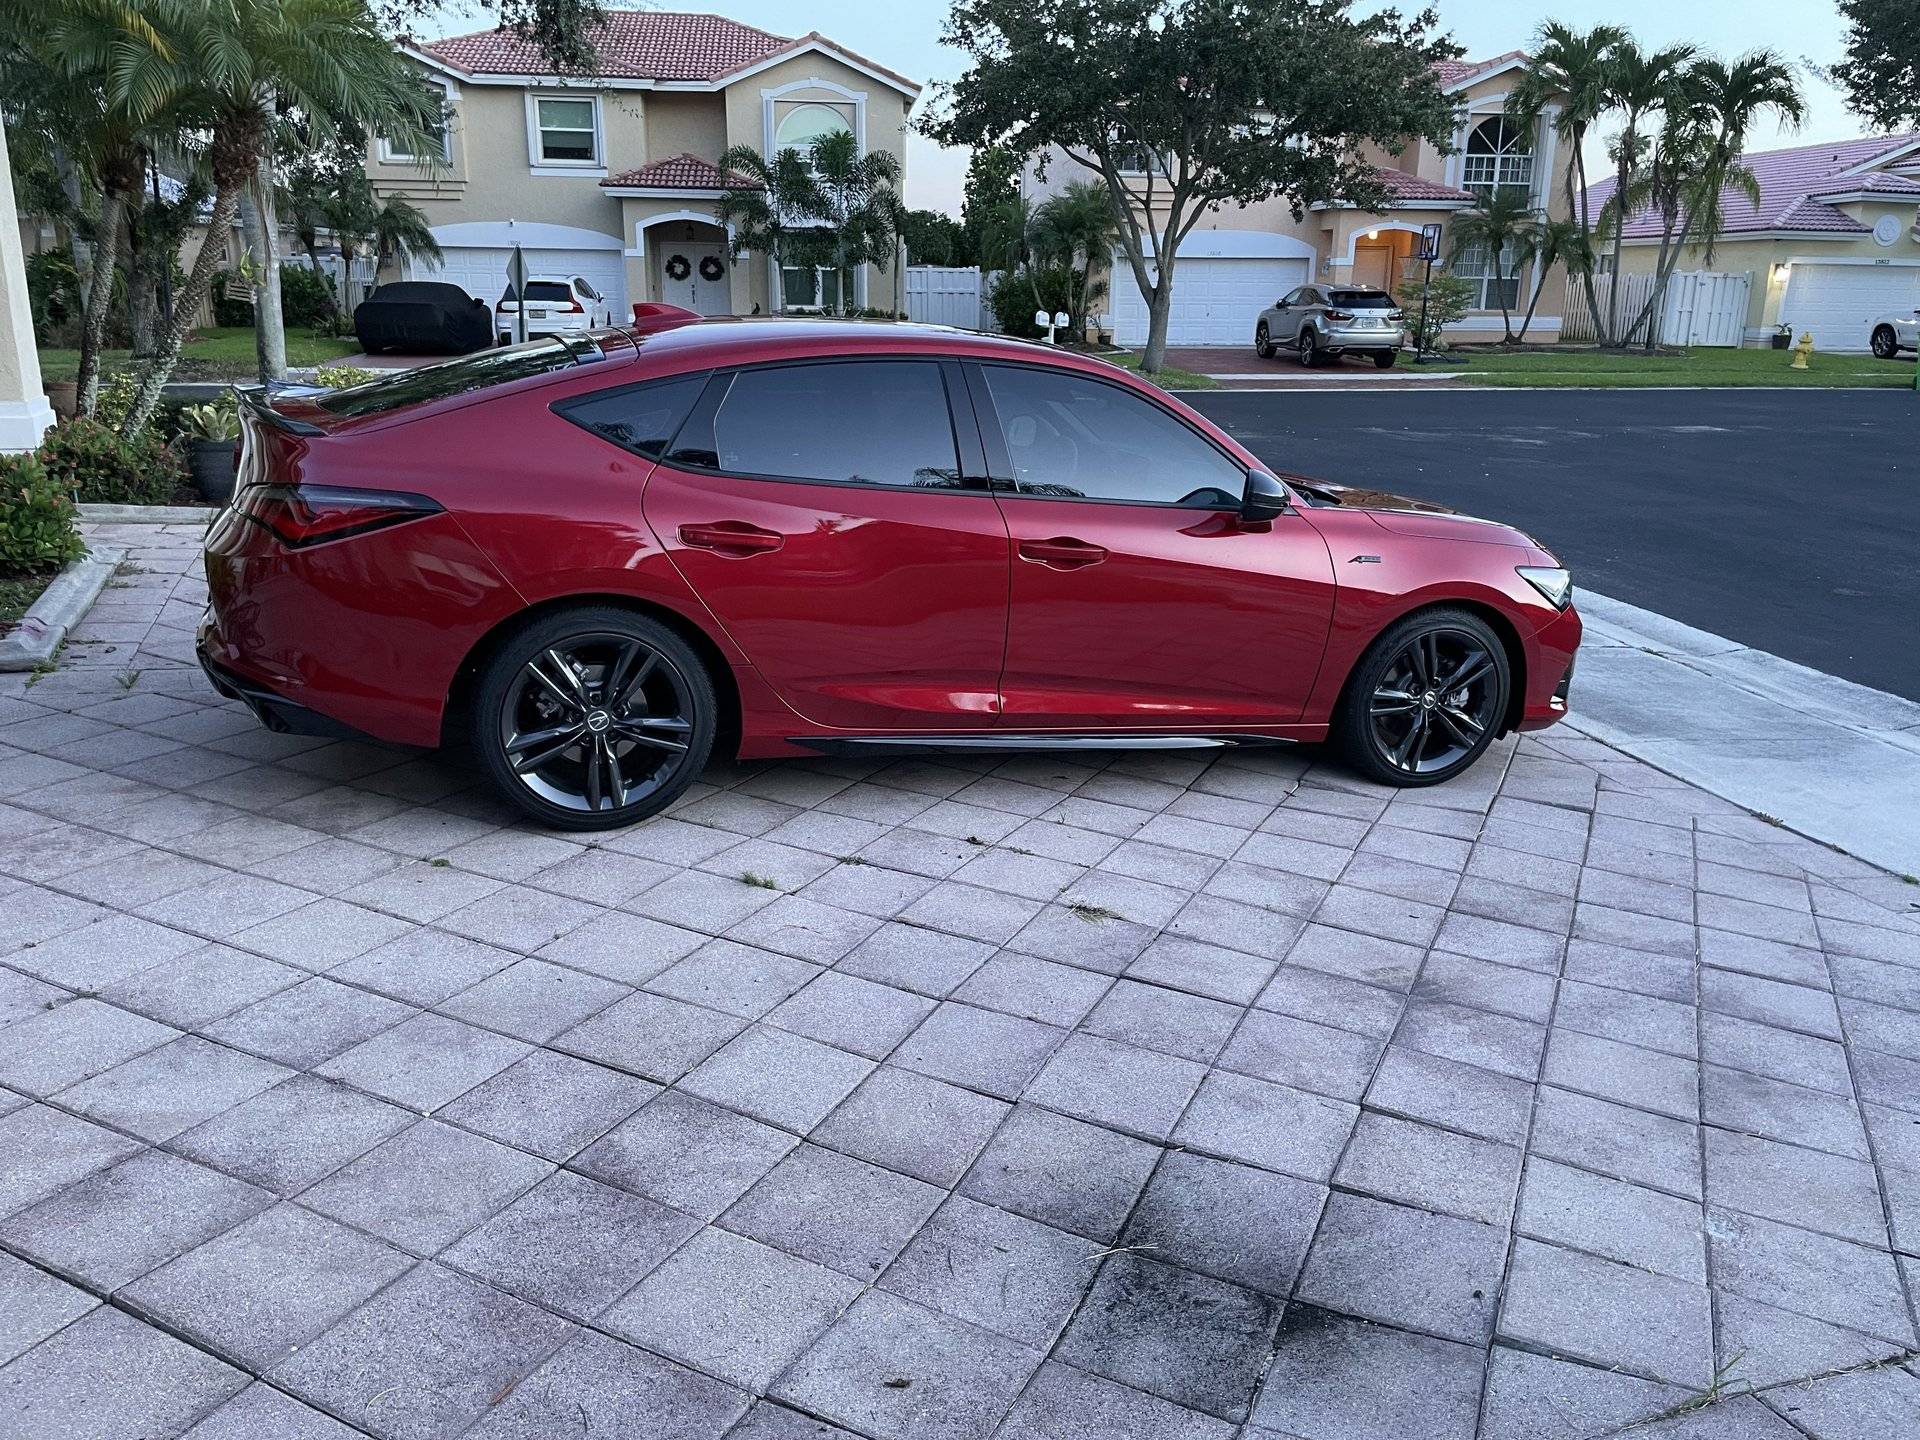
(731, 537)
(1062, 552)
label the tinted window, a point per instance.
(1310, 296)
(456, 377)
(861, 422)
(1079, 438)
(641, 418)
(1363, 299)
(540, 290)
(1292, 297)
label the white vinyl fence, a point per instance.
(947, 295)
(1702, 307)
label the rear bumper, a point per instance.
(1365, 339)
(273, 710)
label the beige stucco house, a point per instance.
(1242, 258)
(1831, 245)
(613, 177)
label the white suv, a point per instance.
(556, 305)
(1894, 333)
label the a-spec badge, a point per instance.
(1364, 560)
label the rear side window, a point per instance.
(1362, 299)
(856, 422)
(1070, 437)
(641, 418)
(456, 377)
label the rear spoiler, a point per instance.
(259, 401)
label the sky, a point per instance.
(904, 35)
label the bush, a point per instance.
(53, 292)
(306, 297)
(99, 467)
(1012, 299)
(36, 518)
(1446, 301)
(226, 312)
(343, 377)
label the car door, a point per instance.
(1140, 599)
(822, 513)
(1285, 323)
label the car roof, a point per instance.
(729, 340)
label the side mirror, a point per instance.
(1266, 498)
(1280, 304)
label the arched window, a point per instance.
(1499, 153)
(804, 124)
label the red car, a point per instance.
(601, 560)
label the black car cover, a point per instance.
(422, 317)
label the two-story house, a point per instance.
(612, 176)
(1241, 258)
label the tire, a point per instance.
(1383, 359)
(552, 678)
(1309, 349)
(1368, 729)
(1886, 345)
(1262, 345)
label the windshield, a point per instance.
(457, 377)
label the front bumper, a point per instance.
(1550, 663)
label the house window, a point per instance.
(1499, 154)
(436, 150)
(809, 287)
(566, 130)
(1491, 292)
(804, 124)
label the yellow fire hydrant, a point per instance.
(1803, 351)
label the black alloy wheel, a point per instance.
(1886, 345)
(1426, 700)
(594, 719)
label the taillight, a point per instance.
(303, 515)
(1339, 317)
(574, 308)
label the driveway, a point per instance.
(1784, 519)
(1105, 1096)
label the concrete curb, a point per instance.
(146, 514)
(61, 606)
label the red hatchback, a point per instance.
(602, 559)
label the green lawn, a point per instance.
(1573, 367)
(1170, 377)
(217, 353)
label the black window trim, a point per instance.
(1000, 463)
(972, 471)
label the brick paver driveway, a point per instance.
(1148, 1096)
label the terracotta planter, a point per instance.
(64, 396)
(211, 464)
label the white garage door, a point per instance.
(1837, 304)
(481, 271)
(1215, 301)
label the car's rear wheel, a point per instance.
(593, 718)
(1886, 345)
(1425, 700)
(1262, 342)
(1309, 348)
(1385, 358)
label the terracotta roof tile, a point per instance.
(677, 172)
(632, 45)
(1411, 189)
(1790, 181)
(1452, 72)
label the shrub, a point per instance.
(343, 377)
(115, 398)
(1012, 299)
(306, 297)
(98, 467)
(1447, 301)
(53, 292)
(36, 518)
(230, 312)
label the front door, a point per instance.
(820, 512)
(694, 276)
(1139, 598)
(1372, 266)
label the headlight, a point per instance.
(1551, 581)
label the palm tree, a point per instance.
(401, 231)
(1729, 99)
(1007, 243)
(1568, 70)
(238, 62)
(1080, 227)
(756, 211)
(834, 207)
(1547, 243)
(1639, 83)
(861, 204)
(1499, 222)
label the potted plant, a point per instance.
(211, 432)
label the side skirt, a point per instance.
(961, 744)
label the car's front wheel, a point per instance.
(1886, 345)
(1425, 700)
(593, 718)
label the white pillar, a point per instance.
(24, 411)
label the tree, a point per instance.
(1881, 73)
(1547, 243)
(1640, 84)
(240, 60)
(993, 178)
(1500, 223)
(1182, 105)
(932, 238)
(1567, 76)
(834, 208)
(1078, 228)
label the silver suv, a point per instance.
(1320, 321)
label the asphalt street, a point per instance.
(1787, 520)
